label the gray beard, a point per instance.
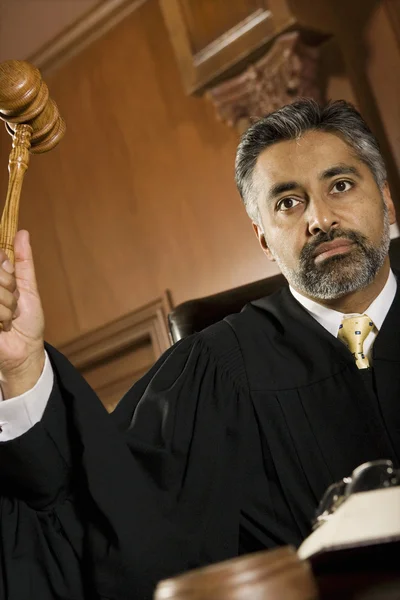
(342, 274)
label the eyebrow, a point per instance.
(281, 188)
(340, 169)
(288, 186)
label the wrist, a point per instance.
(23, 378)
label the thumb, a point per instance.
(24, 267)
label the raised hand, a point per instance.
(21, 315)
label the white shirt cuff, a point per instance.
(19, 414)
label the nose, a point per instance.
(320, 217)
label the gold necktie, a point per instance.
(353, 332)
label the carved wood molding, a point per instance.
(200, 68)
(288, 71)
(148, 322)
(93, 25)
(116, 355)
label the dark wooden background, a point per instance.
(140, 197)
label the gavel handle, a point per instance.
(17, 165)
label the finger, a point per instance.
(16, 313)
(7, 277)
(8, 302)
(6, 326)
(24, 266)
(3, 256)
(8, 308)
(6, 316)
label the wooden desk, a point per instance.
(363, 573)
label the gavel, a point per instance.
(33, 121)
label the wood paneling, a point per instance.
(139, 197)
(115, 376)
(393, 10)
(209, 20)
(382, 69)
(210, 39)
(333, 79)
(114, 356)
(26, 26)
(94, 23)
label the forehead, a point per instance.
(305, 158)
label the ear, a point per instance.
(258, 230)
(387, 198)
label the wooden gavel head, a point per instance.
(270, 575)
(24, 99)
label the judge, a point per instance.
(227, 444)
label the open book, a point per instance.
(365, 518)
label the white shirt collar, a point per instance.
(331, 319)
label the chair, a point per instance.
(195, 315)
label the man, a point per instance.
(228, 443)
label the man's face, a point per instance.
(326, 222)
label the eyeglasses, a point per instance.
(373, 475)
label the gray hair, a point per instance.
(291, 122)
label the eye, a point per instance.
(287, 204)
(342, 186)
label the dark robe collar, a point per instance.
(386, 345)
(283, 306)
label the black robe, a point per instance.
(224, 447)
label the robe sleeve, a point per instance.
(110, 504)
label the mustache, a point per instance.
(308, 251)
